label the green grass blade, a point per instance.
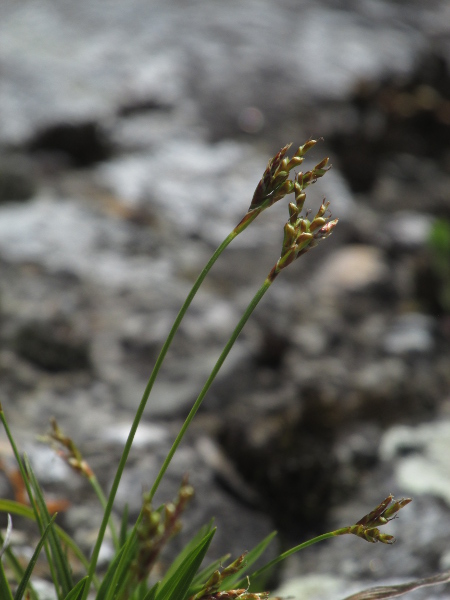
(117, 570)
(20, 464)
(189, 547)
(268, 566)
(12, 560)
(151, 594)
(237, 580)
(176, 585)
(109, 576)
(18, 570)
(77, 591)
(121, 573)
(5, 590)
(21, 510)
(16, 508)
(59, 565)
(26, 577)
(123, 527)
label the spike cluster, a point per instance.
(65, 447)
(210, 589)
(156, 528)
(301, 234)
(275, 183)
(367, 527)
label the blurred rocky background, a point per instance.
(132, 136)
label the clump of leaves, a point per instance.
(129, 574)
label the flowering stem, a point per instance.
(284, 555)
(273, 186)
(250, 308)
(366, 528)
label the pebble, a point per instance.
(353, 268)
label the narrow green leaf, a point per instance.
(151, 594)
(18, 570)
(109, 575)
(175, 586)
(22, 510)
(26, 577)
(5, 590)
(237, 580)
(77, 591)
(12, 559)
(11, 506)
(123, 527)
(59, 566)
(142, 590)
(188, 548)
(117, 570)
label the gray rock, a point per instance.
(73, 63)
(422, 457)
(351, 269)
(410, 333)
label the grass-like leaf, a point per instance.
(151, 594)
(28, 571)
(21, 510)
(5, 590)
(175, 586)
(119, 571)
(77, 591)
(18, 571)
(237, 580)
(123, 527)
(108, 586)
(108, 578)
(187, 549)
(59, 565)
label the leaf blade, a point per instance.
(176, 586)
(28, 571)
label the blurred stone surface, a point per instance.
(137, 133)
(127, 56)
(422, 456)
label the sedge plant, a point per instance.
(129, 575)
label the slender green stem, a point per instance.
(104, 502)
(291, 551)
(250, 308)
(142, 405)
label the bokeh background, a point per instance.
(132, 136)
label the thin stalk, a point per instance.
(142, 405)
(250, 308)
(104, 502)
(291, 551)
